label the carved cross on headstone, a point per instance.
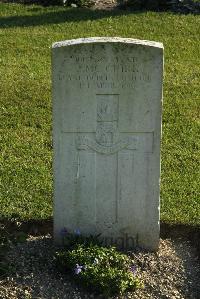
(109, 141)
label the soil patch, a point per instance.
(172, 272)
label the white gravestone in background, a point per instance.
(107, 99)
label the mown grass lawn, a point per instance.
(26, 35)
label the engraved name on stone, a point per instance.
(88, 71)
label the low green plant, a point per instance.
(101, 269)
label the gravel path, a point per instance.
(173, 272)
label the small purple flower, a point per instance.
(63, 232)
(77, 232)
(133, 269)
(78, 269)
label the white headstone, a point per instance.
(107, 100)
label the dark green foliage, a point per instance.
(101, 269)
(51, 2)
(185, 6)
(145, 4)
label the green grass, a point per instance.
(26, 34)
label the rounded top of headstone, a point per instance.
(90, 40)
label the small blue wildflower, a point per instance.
(78, 269)
(63, 232)
(133, 269)
(77, 232)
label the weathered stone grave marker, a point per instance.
(107, 98)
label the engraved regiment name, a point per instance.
(88, 72)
